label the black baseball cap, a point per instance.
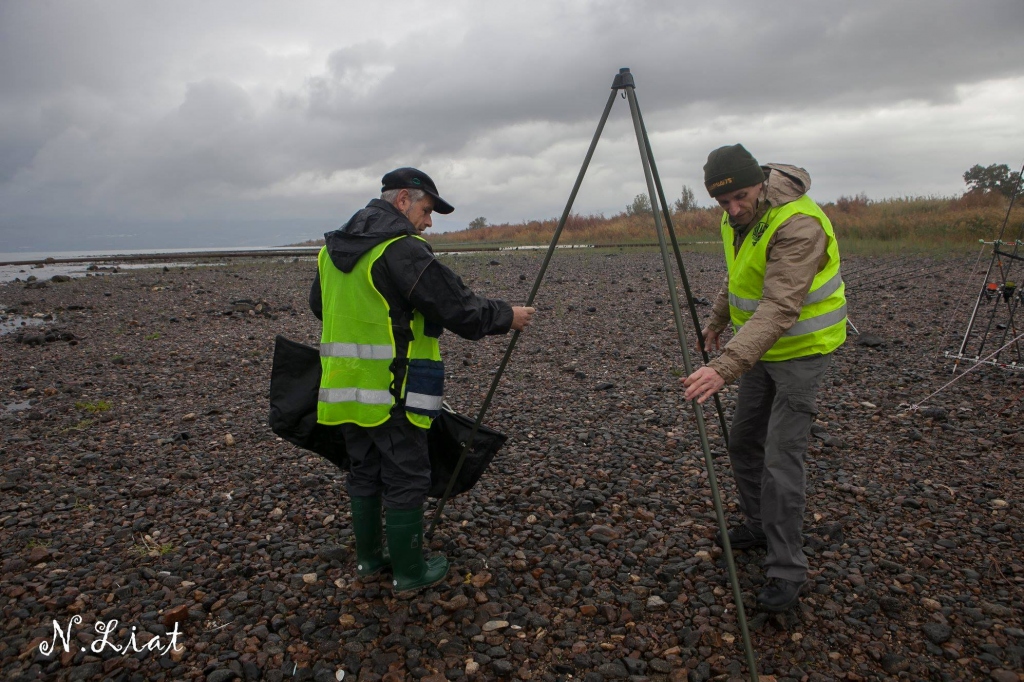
(411, 178)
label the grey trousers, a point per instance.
(392, 459)
(767, 447)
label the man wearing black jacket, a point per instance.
(384, 299)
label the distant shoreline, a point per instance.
(129, 255)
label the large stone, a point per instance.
(179, 614)
(38, 554)
(222, 675)
(656, 603)
(701, 673)
(86, 671)
(1004, 676)
(997, 610)
(492, 625)
(894, 663)
(937, 633)
(457, 603)
(869, 340)
(602, 534)
(613, 671)
(936, 413)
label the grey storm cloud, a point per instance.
(239, 121)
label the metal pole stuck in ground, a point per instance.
(624, 81)
(629, 88)
(682, 270)
(529, 301)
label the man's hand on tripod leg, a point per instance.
(710, 337)
(521, 317)
(703, 384)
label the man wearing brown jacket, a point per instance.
(784, 296)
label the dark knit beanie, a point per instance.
(731, 168)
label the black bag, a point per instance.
(294, 384)
(447, 434)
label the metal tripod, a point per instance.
(1004, 291)
(623, 83)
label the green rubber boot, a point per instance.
(405, 540)
(371, 557)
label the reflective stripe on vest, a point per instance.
(817, 323)
(817, 296)
(358, 395)
(358, 352)
(821, 326)
(825, 290)
(422, 401)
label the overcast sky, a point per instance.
(128, 124)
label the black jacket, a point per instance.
(410, 277)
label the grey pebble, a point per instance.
(222, 675)
(937, 633)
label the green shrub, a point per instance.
(93, 407)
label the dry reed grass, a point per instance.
(916, 222)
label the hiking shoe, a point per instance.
(743, 537)
(780, 594)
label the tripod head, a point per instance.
(623, 79)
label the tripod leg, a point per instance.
(682, 270)
(529, 301)
(698, 412)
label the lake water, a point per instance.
(38, 256)
(16, 323)
(108, 262)
(31, 263)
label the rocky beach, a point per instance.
(143, 496)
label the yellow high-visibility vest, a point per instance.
(821, 327)
(358, 351)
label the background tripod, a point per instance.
(1002, 294)
(624, 84)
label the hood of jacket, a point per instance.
(785, 183)
(376, 223)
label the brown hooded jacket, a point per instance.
(795, 254)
